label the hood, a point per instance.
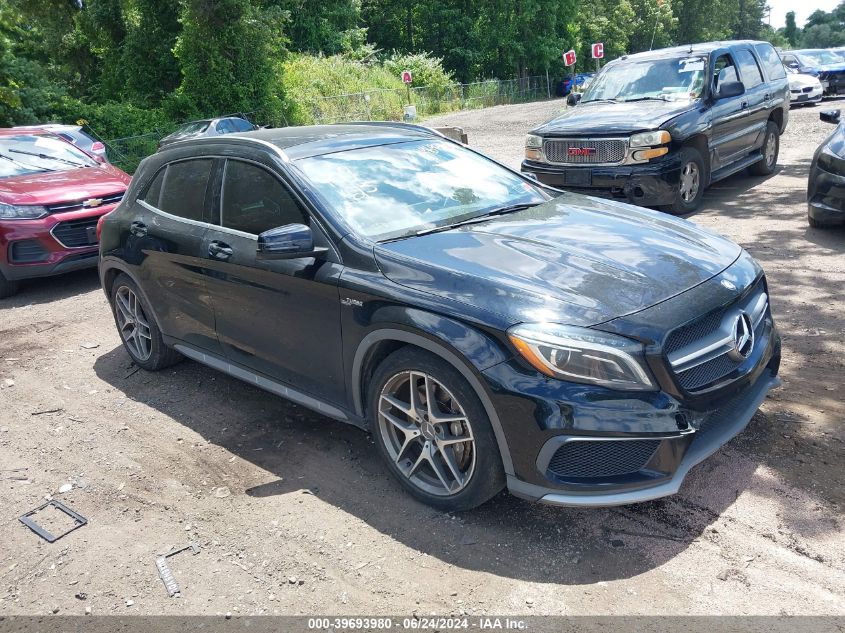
(610, 118)
(574, 260)
(63, 186)
(796, 82)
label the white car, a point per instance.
(803, 88)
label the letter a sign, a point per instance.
(598, 50)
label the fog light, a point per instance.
(647, 154)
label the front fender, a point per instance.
(467, 349)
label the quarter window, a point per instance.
(154, 190)
(748, 69)
(774, 67)
(184, 187)
(255, 201)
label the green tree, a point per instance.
(605, 21)
(319, 27)
(653, 25)
(150, 68)
(791, 31)
(230, 52)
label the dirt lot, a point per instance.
(296, 515)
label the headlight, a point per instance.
(21, 212)
(533, 141)
(648, 139)
(581, 355)
(534, 147)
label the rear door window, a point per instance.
(254, 200)
(184, 188)
(771, 61)
(748, 69)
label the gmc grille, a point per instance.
(585, 151)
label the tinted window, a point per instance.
(154, 190)
(748, 69)
(225, 126)
(183, 193)
(255, 201)
(774, 67)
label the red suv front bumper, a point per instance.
(57, 243)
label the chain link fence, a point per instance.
(370, 105)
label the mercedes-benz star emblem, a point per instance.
(743, 337)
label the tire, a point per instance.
(690, 184)
(137, 328)
(814, 223)
(471, 471)
(8, 288)
(770, 151)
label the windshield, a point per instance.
(822, 58)
(397, 190)
(31, 154)
(667, 79)
(192, 128)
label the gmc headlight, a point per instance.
(21, 212)
(582, 355)
(649, 139)
(534, 147)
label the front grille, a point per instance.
(699, 333)
(27, 252)
(76, 233)
(810, 89)
(585, 151)
(76, 205)
(596, 458)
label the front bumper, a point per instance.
(720, 427)
(826, 192)
(35, 248)
(650, 184)
(802, 98)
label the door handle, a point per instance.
(767, 96)
(220, 250)
(138, 229)
(743, 105)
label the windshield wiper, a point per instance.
(479, 218)
(48, 157)
(614, 100)
(646, 99)
(25, 165)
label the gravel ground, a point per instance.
(295, 514)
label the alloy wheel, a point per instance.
(426, 432)
(771, 146)
(133, 324)
(690, 182)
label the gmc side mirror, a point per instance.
(573, 98)
(291, 241)
(730, 89)
(830, 116)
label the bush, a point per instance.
(426, 70)
(316, 90)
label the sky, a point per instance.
(802, 10)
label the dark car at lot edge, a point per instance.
(208, 127)
(51, 196)
(656, 128)
(826, 183)
(487, 330)
(826, 65)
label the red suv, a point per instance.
(51, 196)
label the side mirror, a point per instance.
(794, 65)
(730, 89)
(830, 116)
(291, 241)
(573, 98)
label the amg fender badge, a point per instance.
(349, 301)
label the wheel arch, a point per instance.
(700, 143)
(777, 118)
(110, 270)
(383, 341)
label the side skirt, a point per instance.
(268, 384)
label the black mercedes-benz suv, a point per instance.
(486, 330)
(657, 128)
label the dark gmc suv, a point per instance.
(657, 128)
